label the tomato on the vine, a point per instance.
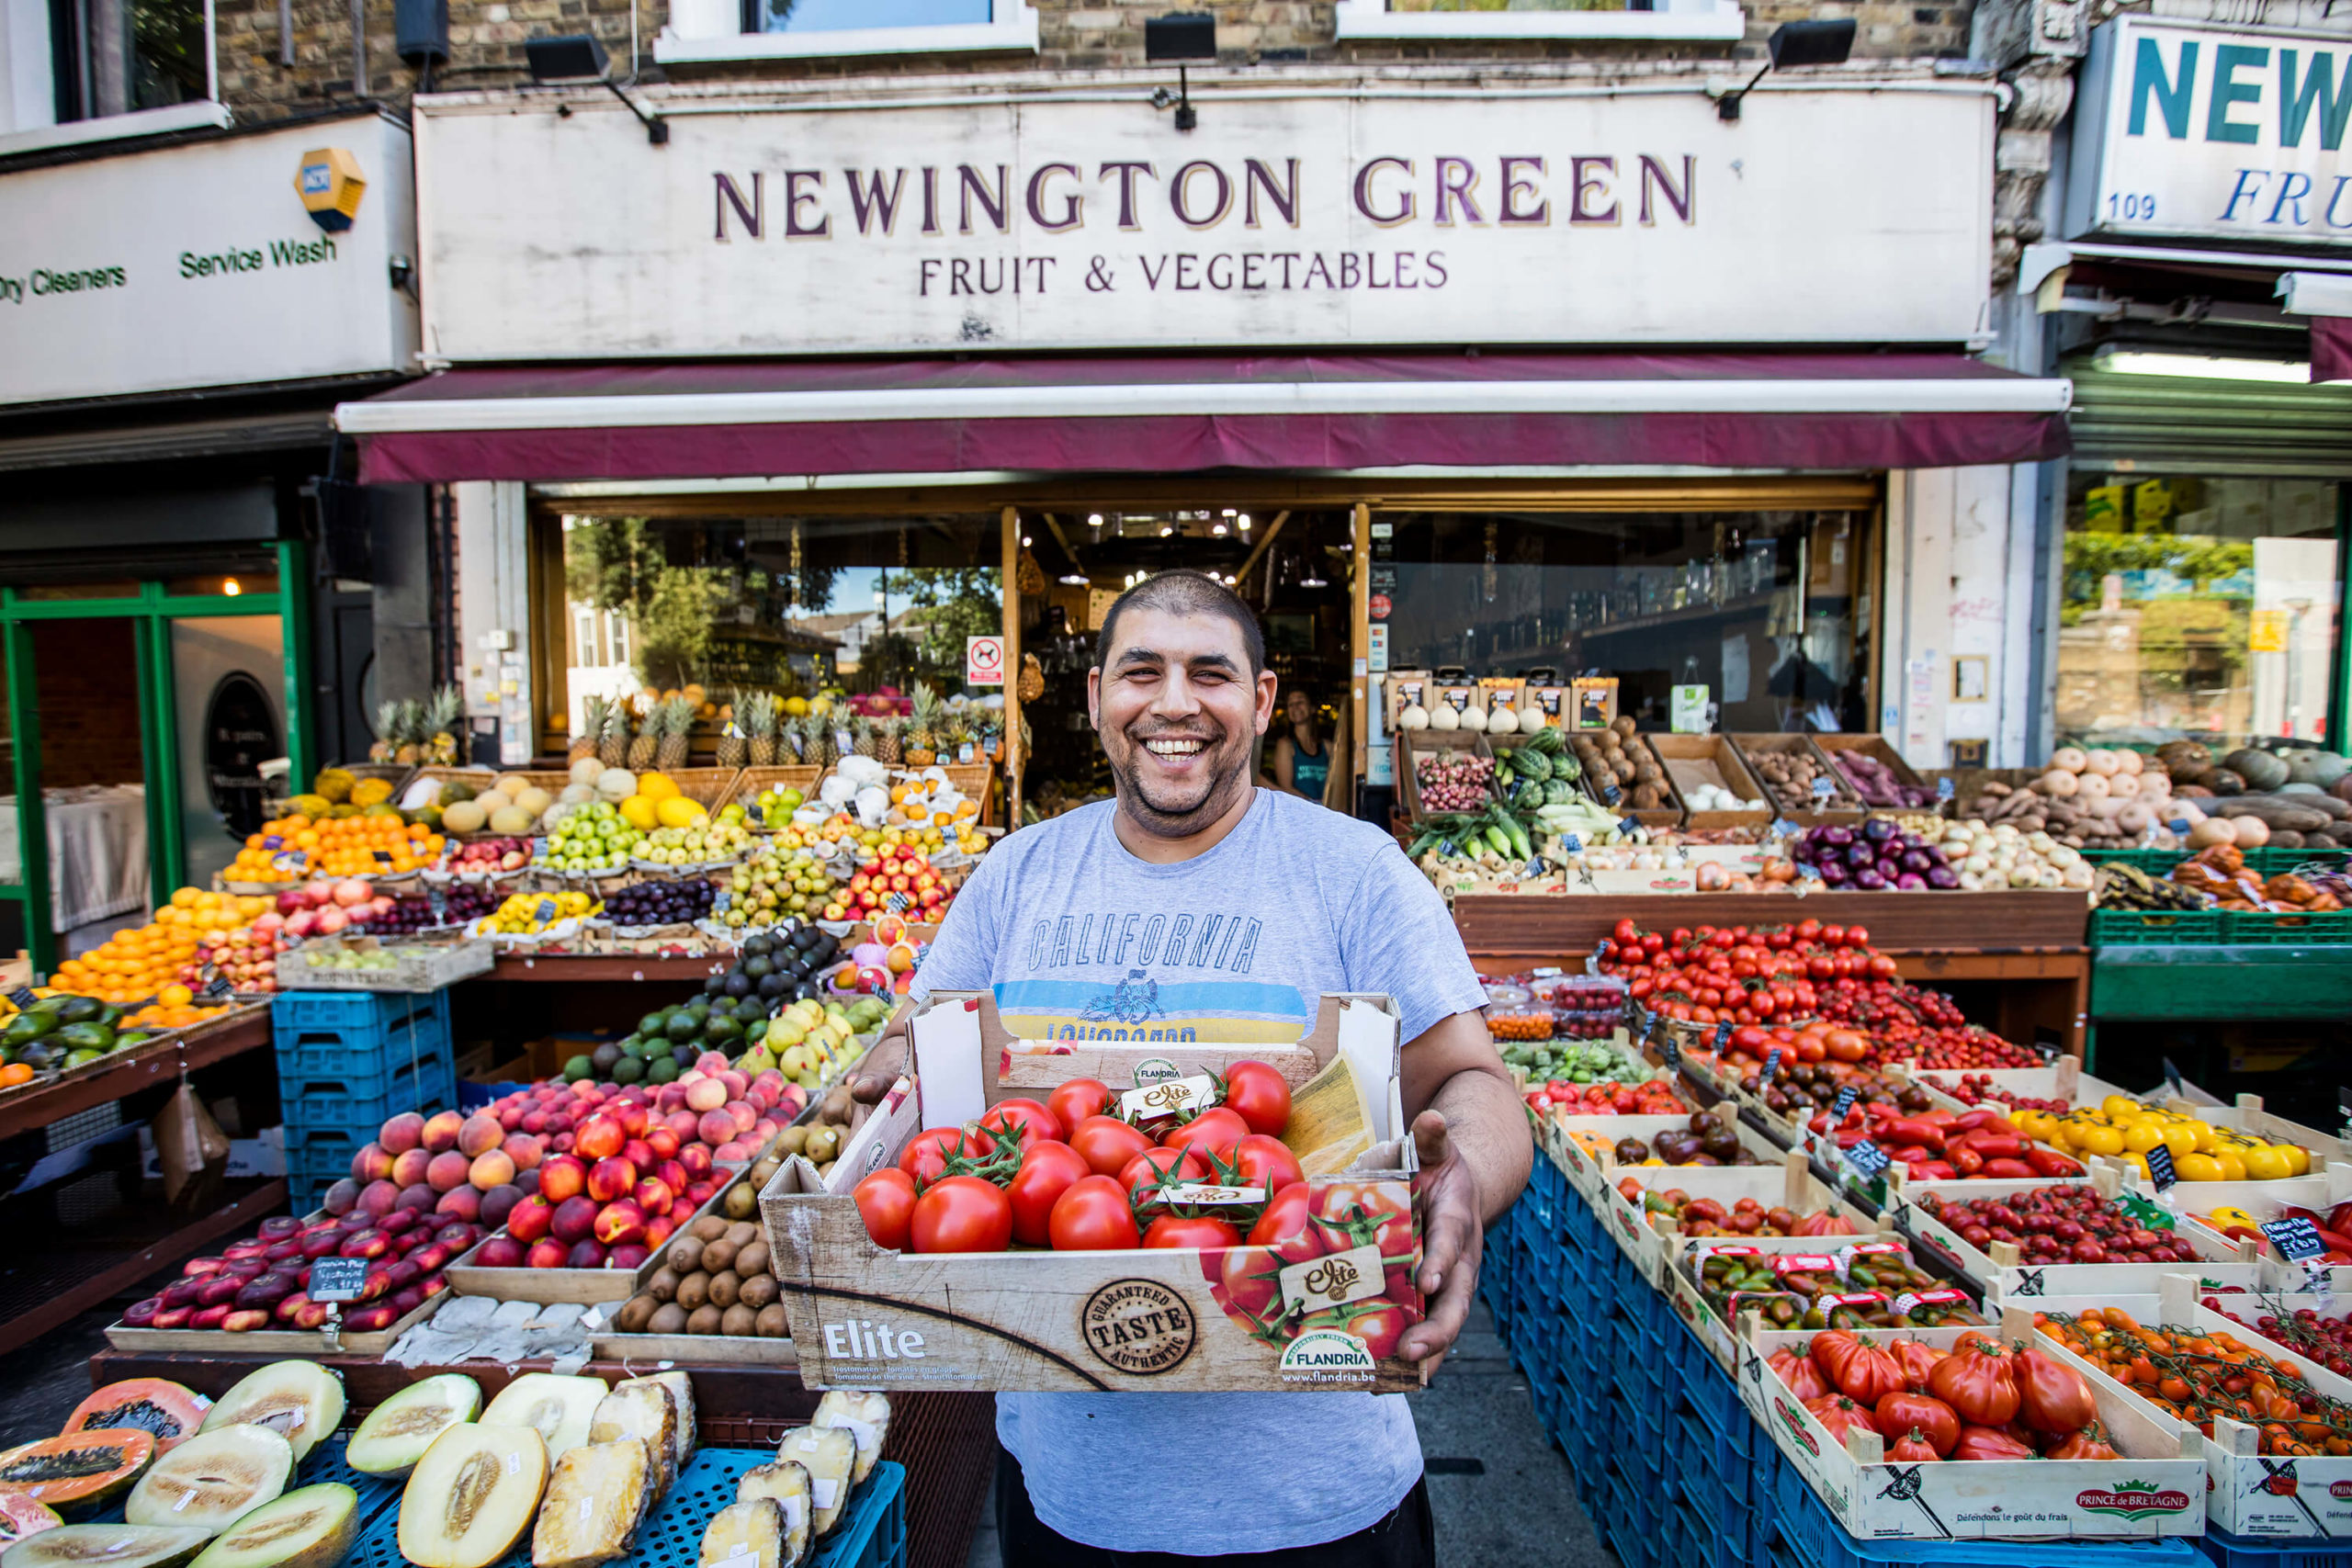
(1247, 1274)
(1143, 1175)
(886, 1200)
(1265, 1163)
(1047, 1170)
(926, 1154)
(1092, 1216)
(1283, 1227)
(1024, 1119)
(1107, 1144)
(1191, 1230)
(962, 1213)
(1215, 1130)
(1073, 1102)
(1349, 1205)
(1259, 1095)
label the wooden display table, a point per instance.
(122, 1073)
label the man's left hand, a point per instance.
(1452, 1236)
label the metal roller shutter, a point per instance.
(2180, 424)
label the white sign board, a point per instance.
(1517, 217)
(2184, 130)
(984, 661)
(197, 265)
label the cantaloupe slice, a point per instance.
(472, 1495)
(746, 1535)
(397, 1432)
(301, 1400)
(784, 1484)
(829, 1455)
(212, 1480)
(108, 1546)
(595, 1497)
(644, 1409)
(311, 1526)
(560, 1409)
(866, 1416)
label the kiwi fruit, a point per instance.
(705, 1319)
(769, 1323)
(635, 1313)
(719, 1255)
(710, 1228)
(738, 1320)
(694, 1290)
(752, 1259)
(663, 1285)
(760, 1292)
(685, 1256)
(743, 1232)
(726, 1288)
(668, 1318)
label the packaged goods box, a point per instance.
(1146, 1320)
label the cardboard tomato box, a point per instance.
(1646, 1239)
(2157, 1488)
(1999, 1268)
(1146, 1320)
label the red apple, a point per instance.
(574, 1220)
(549, 1253)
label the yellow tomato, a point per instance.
(2142, 1136)
(2181, 1139)
(2138, 1162)
(2232, 1165)
(2267, 1164)
(2197, 1168)
(2119, 1105)
(2099, 1141)
(2229, 1214)
(2207, 1140)
(2299, 1159)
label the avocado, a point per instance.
(77, 1009)
(89, 1036)
(603, 1058)
(628, 1069)
(757, 945)
(773, 986)
(662, 1069)
(681, 1026)
(652, 1023)
(758, 966)
(739, 984)
(577, 1068)
(713, 986)
(722, 1029)
(28, 1026)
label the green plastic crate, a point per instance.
(2270, 861)
(2259, 928)
(2148, 928)
(2155, 863)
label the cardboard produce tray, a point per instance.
(1412, 743)
(2000, 1269)
(1142, 1320)
(1590, 1172)
(1720, 1337)
(2157, 1488)
(1690, 761)
(1875, 747)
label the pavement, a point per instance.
(1503, 1495)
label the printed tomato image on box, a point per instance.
(957, 1244)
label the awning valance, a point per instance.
(751, 419)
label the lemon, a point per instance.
(2138, 1162)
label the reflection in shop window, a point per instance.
(838, 16)
(2198, 608)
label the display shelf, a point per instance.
(1545, 929)
(632, 967)
(122, 1074)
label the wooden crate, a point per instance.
(546, 1286)
(1844, 808)
(1690, 761)
(1876, 748)
(750, 782)
(1413, 742)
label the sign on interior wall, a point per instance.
(2184, 130)
(1569, 215)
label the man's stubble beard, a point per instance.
(1225, 788)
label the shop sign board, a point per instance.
(2190, 130)
(243, 259)
(1558, 215)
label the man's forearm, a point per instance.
(1486, 1125)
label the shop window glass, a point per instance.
(1768, 609)
(119, 56)
(229, 585)
(839, 15)
(124, 589)
(2196, 608)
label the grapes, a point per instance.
(680, 902)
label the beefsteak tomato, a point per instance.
(1920, 1415)
(1837, 1413)
(2091, 1442)
(1978, 1380)
(2052, 1398)
(1984, 1442)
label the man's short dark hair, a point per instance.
(1184, 592)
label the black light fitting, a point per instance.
(1824, 42)
(1183, 37)
(578, 56)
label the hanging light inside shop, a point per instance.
(1166, 529)
(1242, 522)
(1218, 530)
(231, 587)
(1314, 577)
(1074, 580)
(1094, 520)
(1026, 541)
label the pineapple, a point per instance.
(677, 716)
(861, 733)
(649, 737)
(817, 747)
(612, 742)
(886, 732)
(732, 750)
(409, 726)
(388, 733)
(758, 713)
(955, 734)
(592, 727)
(923, 739)
(444, 717)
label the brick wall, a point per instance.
(87, 679)
(487, 41)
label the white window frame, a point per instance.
(1689, 21)
(28, 94)
(712, 30)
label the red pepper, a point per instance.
(2049, 1162)
(1971, 1121)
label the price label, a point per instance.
(2296, 1239)
(1865, 1159)
(1649, 1030)
(1771, 1066)
(1723, 1035)
(2160, 1169)
(218, 988)
(1628, 826)
(2179, 824)
(1669, 1049)
(1571, 843)
(1782, 828)
(1823, 789)
(1943, 789)
(384, 857)
(1844, 1102)
(337, 1279)
(1611, 793)
(2343, 1105)
(439, 900)
(22, 998)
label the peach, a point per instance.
(716, 1127)
(683, 1210)
(659, 1230)
(744, 1115)
(409, 1167)
(695, 1159)
(478, 1135)
(682, 1123)
(401, 1133)
(531, 1219)
(584, 1254)
(600, 1138)
(662, 1139)
(528, 1181)
(491, 1168)
(574, 1219)
(736, 1081)
(629, 1254)
(497, 1205)
(638, 1153)
(633, 1117)
(548, 1253)
(447, 1170)
(441, 1132)
(698, 1192)
(533, 1121)
(420, 1197)
(611, 1179)
(342, 1198)
(378, 1197)
(371, 1163)
(510, 1117)
(673, 1174)
(652, 1195)
(736, 1153)
(523, 1149)
(461, 1204)
(710, 1062)
(708, 1094)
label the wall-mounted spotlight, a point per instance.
(578, 56)
(1824, 42)
(1183, 37)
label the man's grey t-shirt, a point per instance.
(1080, 939)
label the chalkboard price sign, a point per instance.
(1865, 1159)
(1845, 1102)
(2160, 1168)
(337, 1279)
(2296, 1239)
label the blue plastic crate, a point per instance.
(1763, 1509)
(1716, 1397)
(367, 1100)
(871, 1533)
(2241, 1552)
(326, 1027)
(1805, 1522)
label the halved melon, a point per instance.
(830, 1456)
(560, 1409)
(595, 1497)
(302, 1401)
(212, 1480)
(397, 1432)
(311, 1526)
(866, 1416)
(147, 1405)
(21, 1517)
(77, 1470)
(472, 1495)
(110, 1546)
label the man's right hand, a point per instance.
(887, 1061)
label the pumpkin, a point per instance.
(2260, 770)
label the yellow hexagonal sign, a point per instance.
(330, 187)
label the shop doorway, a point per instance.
(139, 715)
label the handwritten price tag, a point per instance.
(1771, 1066)
(1865, 1159)
(1844, 1102)
(2296, 1239)
(2160, 1168)
(337, 1279)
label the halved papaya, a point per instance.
(77, 1470)
(21, 1517)
(172, 1414)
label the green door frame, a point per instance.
(151, 611)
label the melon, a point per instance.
(465, 817)
(170, 1413)
(560, 1409)
(493, 801)
(534, 800)
(77, 1470)
(2260, 770)
(513, 785)
(212, 1480)
(643, 1409)
(616, 783)
(301, 1400)
(471, 1496)
(397, 1432)
(311, 1526)
(586, 771)
(513, 820)
(21, 1517)
(111, 1546)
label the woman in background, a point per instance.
(1302, 757)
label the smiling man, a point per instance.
(1197, 907)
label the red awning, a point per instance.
(2331, 348)
(732, 419)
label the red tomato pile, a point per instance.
(1975, 1088)
(2059, 1225)
(1982, 1399)
(1656, 1098)
(2325, 1340)
(1969, 1046)
(1944, 1146)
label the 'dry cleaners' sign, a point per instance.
(2184, 129)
